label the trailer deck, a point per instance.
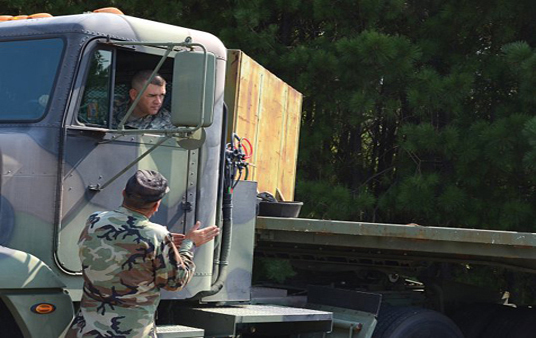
(356, 242)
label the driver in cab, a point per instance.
(148, 113)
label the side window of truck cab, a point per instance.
(95, 106)
(106, 98)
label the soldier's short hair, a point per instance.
(137, 203)
(139, 79)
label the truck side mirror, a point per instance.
(194, 81)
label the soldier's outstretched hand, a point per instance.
(202, 236)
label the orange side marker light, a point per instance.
(43, 308)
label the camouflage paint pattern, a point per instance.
(126, 260)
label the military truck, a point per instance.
(64, 155)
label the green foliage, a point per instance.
(413, 111)
(333, 202)
(272, 270)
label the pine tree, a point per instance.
(419, 111)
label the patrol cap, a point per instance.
(147, 185)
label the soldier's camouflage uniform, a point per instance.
(126, 260)
(162, 120)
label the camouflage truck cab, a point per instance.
(65, 155)
(61, 77)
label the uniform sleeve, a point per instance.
(174, 268)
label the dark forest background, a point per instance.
(414, 111)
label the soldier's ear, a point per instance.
(156, 206)
(132, 93)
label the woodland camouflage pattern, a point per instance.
(126, 259)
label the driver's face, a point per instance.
(150, 101)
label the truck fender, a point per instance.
(30, 283)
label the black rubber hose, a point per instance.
(221, 185)
(227, 210)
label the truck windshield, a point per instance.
(27, 72)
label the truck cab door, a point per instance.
(94, 153)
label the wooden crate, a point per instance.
(266, 111)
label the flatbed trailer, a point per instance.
(516, 250)
(358, 270)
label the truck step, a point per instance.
(261, 319)
(178, 331)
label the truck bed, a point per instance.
(395, 245)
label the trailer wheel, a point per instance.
(527, 326)
(474, 319)
(511, 322)
(413, 322)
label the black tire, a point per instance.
(474, 319)
(527, 326)
(413, 322)
(511, 322)
(8, 326)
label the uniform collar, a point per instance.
(132, 213)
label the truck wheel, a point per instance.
(527, 326)
(474, 319)
(8, 327)
(413, 322)
(511, 322)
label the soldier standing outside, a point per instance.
(148, 113)
(126, 260)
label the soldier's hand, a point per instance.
(177, 238)
(200, 237)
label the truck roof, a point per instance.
(115, 26)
